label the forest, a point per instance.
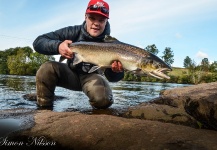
(191, 73)
(25, 61)
(21, 61)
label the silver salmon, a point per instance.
(132, 58)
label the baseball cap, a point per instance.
(98, 7)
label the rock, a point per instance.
(71, 130)
(193, 106)
(156, 125)
(15, 120)
(163, 113)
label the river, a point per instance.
(126, 93)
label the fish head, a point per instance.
(154, 66)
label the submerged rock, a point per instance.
(33, 97)
(15, 120)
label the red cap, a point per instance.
(98, 7)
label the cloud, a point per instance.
(178, 35)
(201, 55)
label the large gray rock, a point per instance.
(163, 113)
(70, 130)
(194, 106)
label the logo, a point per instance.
(100, 4)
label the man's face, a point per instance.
(95, 24)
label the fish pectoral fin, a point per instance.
(76, 59)
(94, 68)
(110, 39)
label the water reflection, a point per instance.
(126, 94)
(17, 83)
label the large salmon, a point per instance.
(132, 58)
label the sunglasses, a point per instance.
(96, 7)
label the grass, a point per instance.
(178, 71)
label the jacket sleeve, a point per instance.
(48, 43)
(113, 76)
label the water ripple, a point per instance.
(12, 89)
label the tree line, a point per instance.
(192, 73)
(21, 61)
(205, 71)
(24, 61)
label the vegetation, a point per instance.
(168, 56)
(179, 75)
(152, 49)
(21, 61)
(24, 61)
(191, 73)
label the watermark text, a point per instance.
(31, 141)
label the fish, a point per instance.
(133, 59)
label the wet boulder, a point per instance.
(163, 113)
(71, 130)
(194, 105)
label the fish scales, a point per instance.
(112, 49)
(132, 58)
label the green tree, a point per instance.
(187, 62)
(213, 67)
(25, 61)
(193, 72)
(17, 64)
(168, 56)
(152, 49)
(3, 63)
(205, 64)
(36, 60)
(4, 57)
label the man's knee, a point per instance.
(101, 102)
(46, 69)
(98, 90)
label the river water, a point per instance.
(126, 93)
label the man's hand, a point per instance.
(64, 49)
(117, 66)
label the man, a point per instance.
(77, 78)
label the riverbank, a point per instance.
(180, 118)
(179, 76)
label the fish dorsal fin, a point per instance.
(110, 39)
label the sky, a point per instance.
(188, 27)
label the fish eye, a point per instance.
(158, 65)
